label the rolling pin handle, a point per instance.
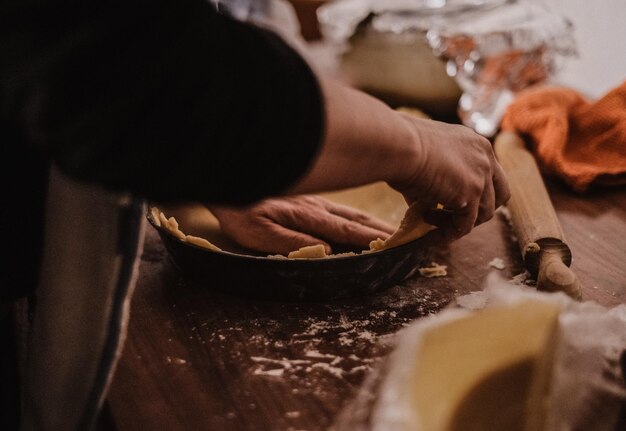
(555, 276)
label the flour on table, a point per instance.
(176, 361)
(497, 263)
(523, 278)
(505, 213)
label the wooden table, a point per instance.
(198, 360)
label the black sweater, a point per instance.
(166, 99)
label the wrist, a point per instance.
(409, 158)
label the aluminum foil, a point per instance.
(496, 53)
(492, 48)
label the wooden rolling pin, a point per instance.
(544, 250)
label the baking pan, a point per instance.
(239, 271)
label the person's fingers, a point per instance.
(359, 217)
(284, 225)
(270, 237)
(341, 230)
(316, 216)
(438, 217)
(463, 219)
(501, 186)
(285, 240)
(487, 204)
(440, 237)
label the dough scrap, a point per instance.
(201, 242)
(309, 252)
(171, 225)
(434, 270)
(411, 228)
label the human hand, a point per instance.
(438, 163)
(282, 225)
(457, 168)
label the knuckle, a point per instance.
(349, 228)
(311, 200)
(360, 218)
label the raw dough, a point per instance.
(201, 242)
(411, 228)
(309, 252)
(487, 371)
(434, 270)
(171, 225)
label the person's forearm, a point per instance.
(431, 161)
(365, 141)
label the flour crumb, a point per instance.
(434, 270)
(497, 263)
(277, 372)
(472, 301)
(523, 278)
(176, 361)
(506, 214)
(285, 363)
(335, 371)
(316, 354)
(292, 415)
(345, 339)
(336, 361)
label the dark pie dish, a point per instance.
(238, 271)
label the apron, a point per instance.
(92, 240)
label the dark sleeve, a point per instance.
(167, 99)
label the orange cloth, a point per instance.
(579, 141)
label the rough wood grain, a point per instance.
(197, 360)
